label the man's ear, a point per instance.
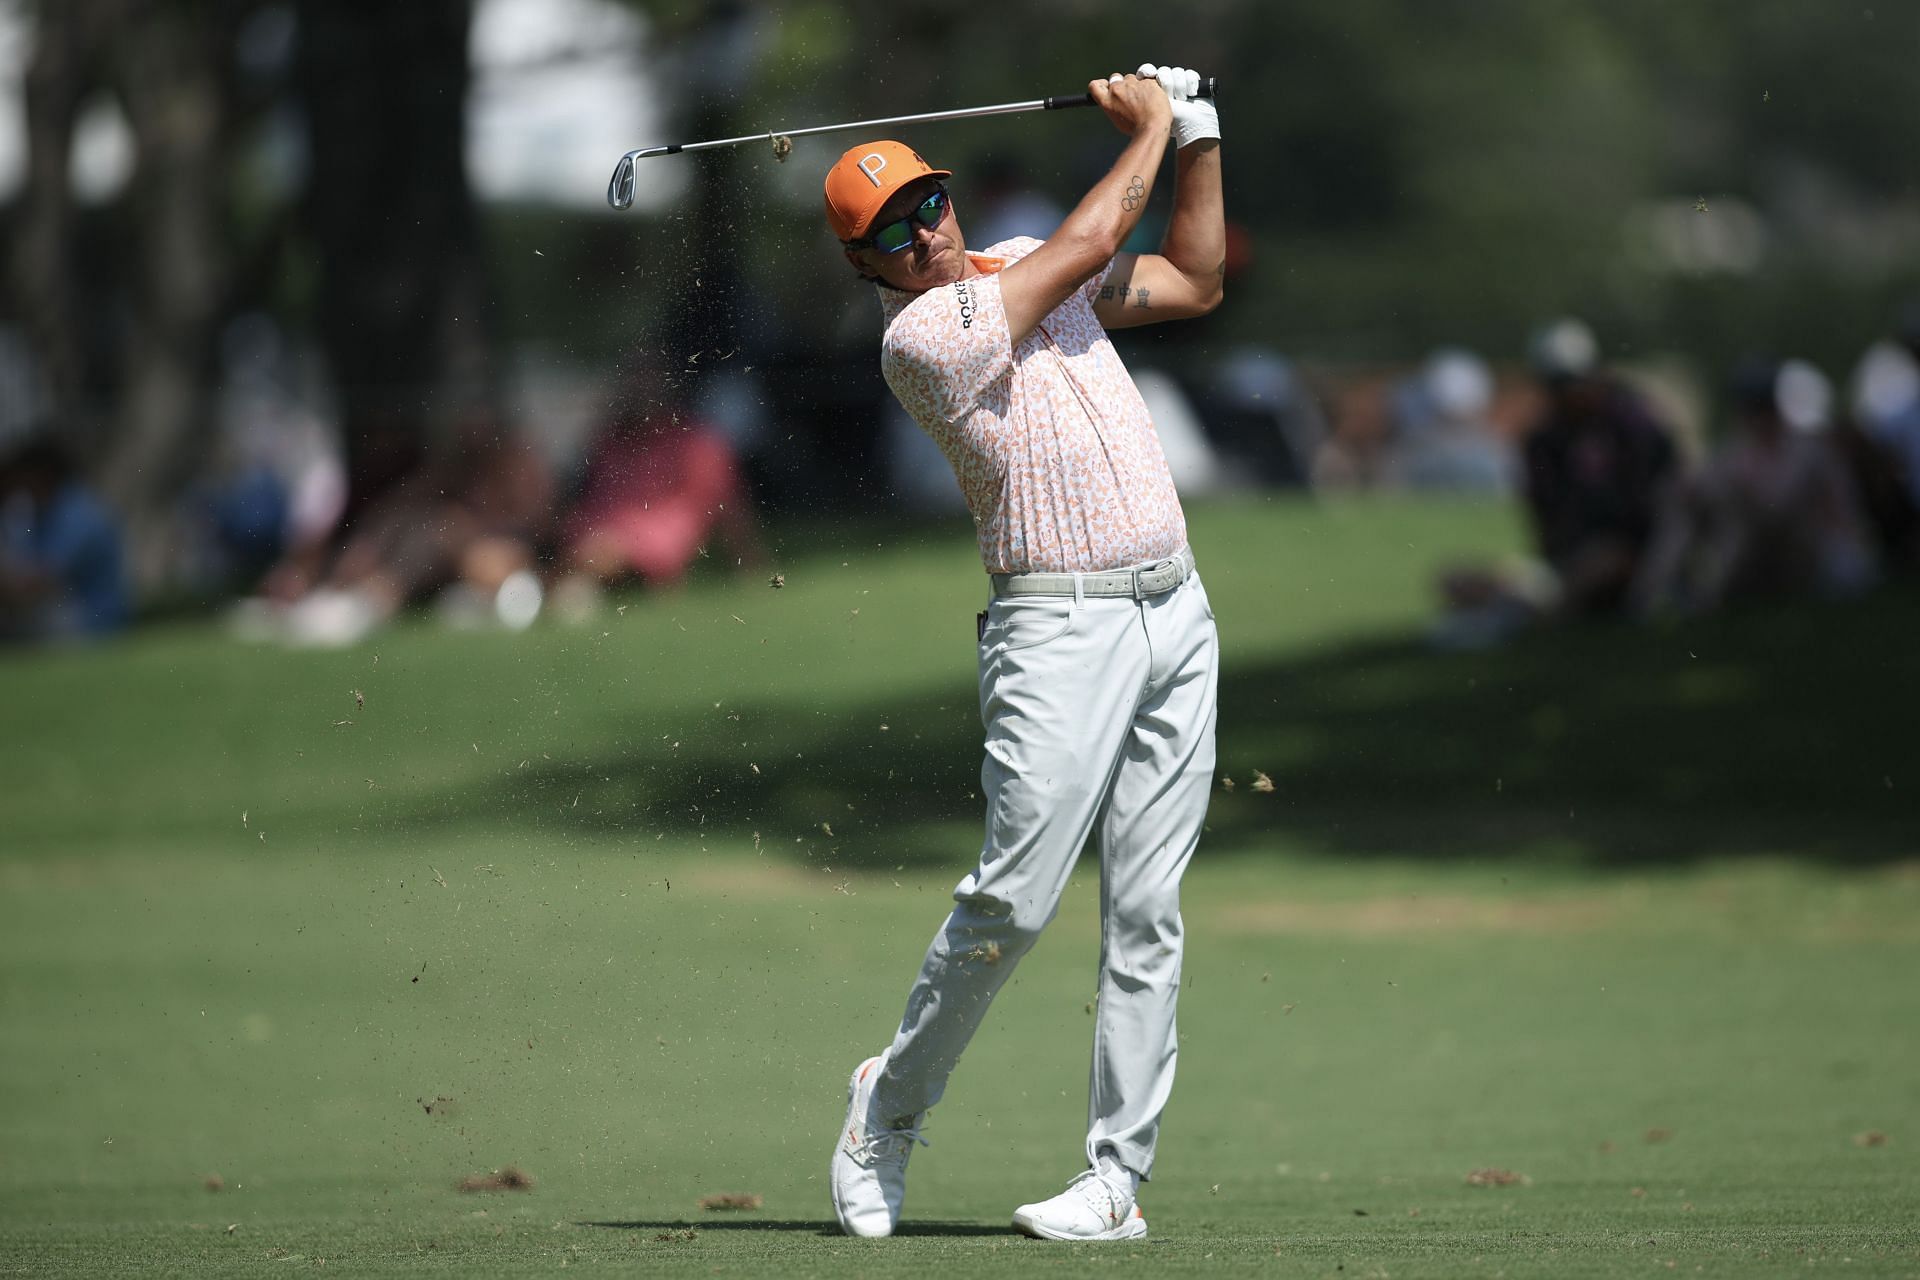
(853, 257)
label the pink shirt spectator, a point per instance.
(1050, 440)
(656, 488)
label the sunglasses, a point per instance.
(896, 236)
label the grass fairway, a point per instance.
(1634, 915)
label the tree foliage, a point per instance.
(1404, 174)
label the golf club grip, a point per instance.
(1207, 84)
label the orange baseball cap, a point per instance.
(864, 178)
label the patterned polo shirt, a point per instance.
(1050, 440)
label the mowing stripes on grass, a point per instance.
(542, 907)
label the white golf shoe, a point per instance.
(869, 1170)
(1093, 1207)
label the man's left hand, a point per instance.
(1194, 118)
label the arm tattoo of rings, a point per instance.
(1136, 192)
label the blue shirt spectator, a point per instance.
(62, 569)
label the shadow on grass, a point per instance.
(811, 1227)
(1787, 732)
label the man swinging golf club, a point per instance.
(1097, 651)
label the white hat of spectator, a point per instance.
(1458, 383)
(1885, 382)
(1565, 348)
(1804, 396)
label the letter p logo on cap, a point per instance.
(864, 178)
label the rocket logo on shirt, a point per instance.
(963, 294)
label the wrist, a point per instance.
(1195, 122)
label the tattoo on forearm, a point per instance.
(1106, 293)
(1136, 192)
(1140, 298)
(1221, 270)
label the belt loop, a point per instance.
(1137, 593)
(1079, 591)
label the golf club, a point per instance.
(620, 187)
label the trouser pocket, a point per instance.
(1014, 623)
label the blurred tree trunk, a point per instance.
(68, 45)
(402, 302)
(716, 62)
(139, 414)
(176, 93)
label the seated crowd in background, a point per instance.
(1796, 500)
(1772, 512)
(1628, 515)
(470, 516)
(478, 528)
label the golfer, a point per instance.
(1097, 651)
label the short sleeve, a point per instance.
(947, 348)
(1011, 251)
(1013, 248)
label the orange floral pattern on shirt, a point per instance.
(1050, 440)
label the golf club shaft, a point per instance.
(620, 187)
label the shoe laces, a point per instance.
(1109, 1202)
(889, 1146)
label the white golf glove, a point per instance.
(1193, 118)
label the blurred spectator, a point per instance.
(1442, 441)
(1191, 461)
(1773, 512)
(1598, 466)
(474, 518)
(1883, 449)
(1885, 382)
(275, 486)
(1885, 509)
(241, 514)
(1901, 428)
(659, 484)
(1598, 469)
(1352, 456)
(1262, 418)
(61, 567)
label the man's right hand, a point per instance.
(1134, 105)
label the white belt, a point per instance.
(1137, 582)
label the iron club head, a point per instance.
(620, 186)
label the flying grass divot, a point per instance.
(511, 1178)
(731, 1201)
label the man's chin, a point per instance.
(943, 270)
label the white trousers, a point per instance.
(1099, 713)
